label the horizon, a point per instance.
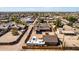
(39, 9)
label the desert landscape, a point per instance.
(21, 31)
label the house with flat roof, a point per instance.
(68, 28)
(4, 26)
(64, 21)
(68, 31)
(43, 27)
(27, 19)
(50, 40)
(76, 25)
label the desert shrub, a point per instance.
(15, 31)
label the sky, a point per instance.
(39, 9)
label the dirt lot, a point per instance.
(8, 37)
(69, 40)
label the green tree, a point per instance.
(58, 23)
(72, 19)
(14, 18)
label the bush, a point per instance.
(71, 19)
(15, 31)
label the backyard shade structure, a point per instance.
(51, 40)
(43, 26)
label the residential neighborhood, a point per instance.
(22, 31)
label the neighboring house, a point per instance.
(43, 27)
(15, 25)
(76, 25)
(64, 21)
(41, 17)
(46, 18)
(4, 26)
(2, 16)
(4, 20)
(12, 25)
(27, 19)
(21, 26)
(68, 28)
(66, 31)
